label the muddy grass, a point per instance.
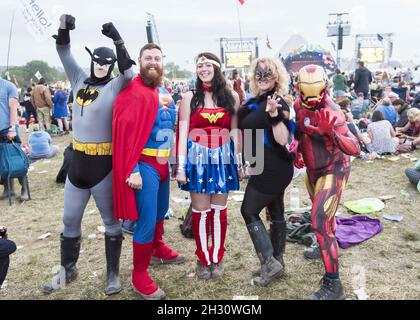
(387, 266)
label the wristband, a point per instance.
(181, 164)
(117, 42)
(275, 120)
(12, 130)
(238, 158)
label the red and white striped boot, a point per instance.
(201, 228)
(218, 224)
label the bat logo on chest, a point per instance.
(86, 97)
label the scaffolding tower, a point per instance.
(151, 29)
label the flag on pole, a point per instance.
(241, 1)
(38, 75)
(380, 38)
(268, 43)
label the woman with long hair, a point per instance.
(208, 160)
(267, 115)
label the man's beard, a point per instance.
(151, 78)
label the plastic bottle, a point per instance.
(186, 202)
(294, 199)
(186, 207)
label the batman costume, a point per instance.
(90, 172)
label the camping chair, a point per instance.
(8, 182)
(14, 163)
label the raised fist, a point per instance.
(109, 30)
(67, 22)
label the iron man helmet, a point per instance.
(312, 86)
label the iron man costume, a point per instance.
(326, 145)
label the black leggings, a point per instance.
(254, 201)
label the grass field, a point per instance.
(386, 266)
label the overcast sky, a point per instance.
(187, 27)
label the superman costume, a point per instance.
(143, 123)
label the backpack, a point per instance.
(14, 163)
(62, 174)
(186, 225)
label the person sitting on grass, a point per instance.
(412, 125)
(40, 145)
(413, 174)
(388, 111)
(363, 139)
(358, 106)
(383, 137)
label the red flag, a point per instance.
(241, 1)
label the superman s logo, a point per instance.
(212, 117)
(85, 97)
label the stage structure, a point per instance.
(238, 53)
(374, 49)
(339, 29)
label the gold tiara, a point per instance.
(203, 60)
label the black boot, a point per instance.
(331, 289)
(278, 239)
(312, 253)
(70, 249)
(24, 194)
(113, 252)
(270, 267)
(315, 253)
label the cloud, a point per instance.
(187, 27)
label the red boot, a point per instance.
(142, 283)
(162, 254)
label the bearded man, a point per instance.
(142, 135)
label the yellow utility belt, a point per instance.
(93, 149)
(156, 152)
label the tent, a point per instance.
(305, 55)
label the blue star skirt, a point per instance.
(210, 170)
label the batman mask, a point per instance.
(101, 66)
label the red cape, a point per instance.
(135, 111)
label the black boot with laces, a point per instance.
(331, 289)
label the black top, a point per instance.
(362, 79)
(277, 160)
(27, 103)
(402, 116)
